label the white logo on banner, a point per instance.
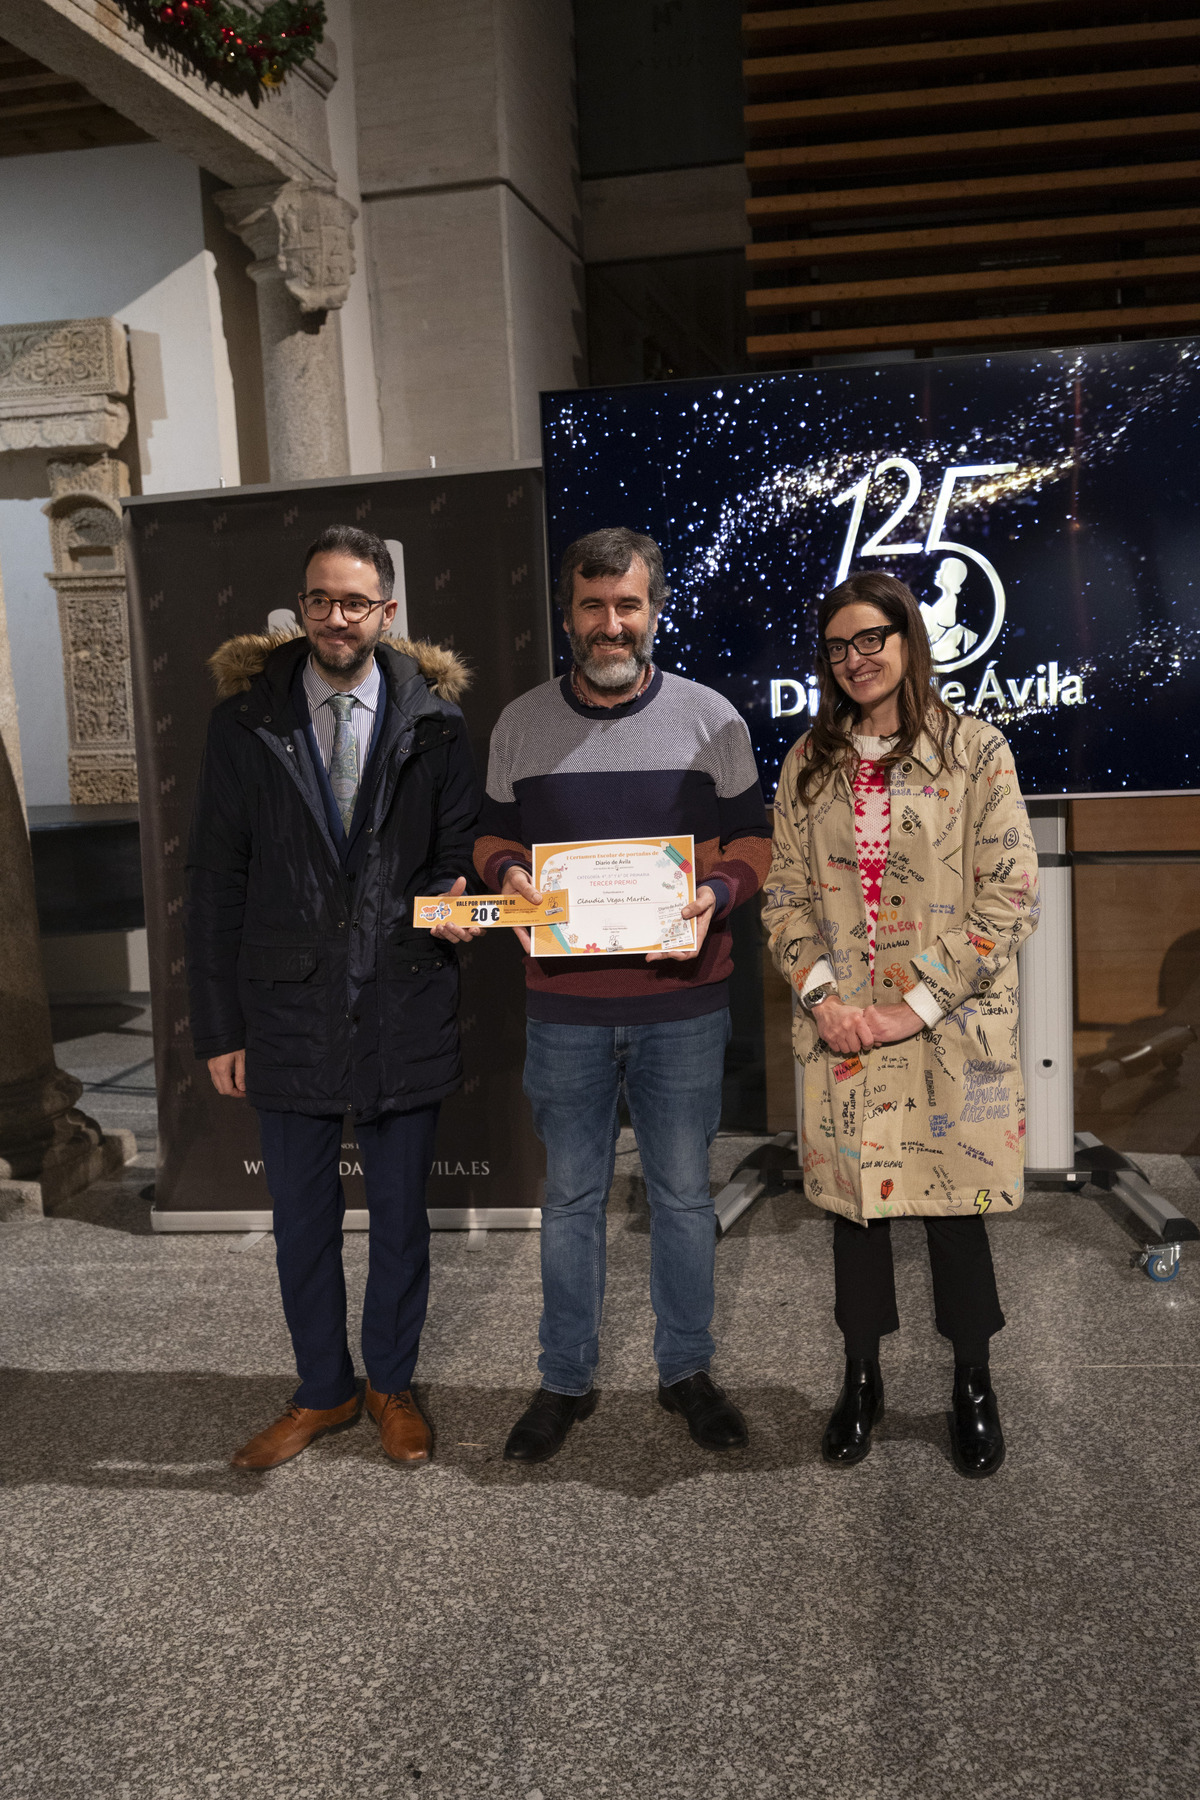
(954, 643)
(962, 615)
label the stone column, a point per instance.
(62, 389)
(9, 731)
(300, 235)
(48, 1150)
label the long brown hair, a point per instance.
(921, 706)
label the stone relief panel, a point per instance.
(97, 642)
(89, 579)
(86, 356)
(63, 387)
(62, 424)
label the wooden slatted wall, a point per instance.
(953, 174)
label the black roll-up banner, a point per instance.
(471, 565)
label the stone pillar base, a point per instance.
(77, 1153)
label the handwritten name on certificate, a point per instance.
(625, 896)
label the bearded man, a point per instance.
(618, 749)
(337, 784)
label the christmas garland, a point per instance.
(239, 51)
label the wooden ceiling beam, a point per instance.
(45, 108)
(1164, 222)
(72, 131)
(814, 26)
(817, 161)
(23, 84)
(1048, 276)
(1043, 327)
(1054, 186)
(766, 74)
(856, 112)
(42, 111)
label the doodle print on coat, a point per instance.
(969, 855)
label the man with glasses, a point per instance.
(337, 783)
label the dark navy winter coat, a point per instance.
(300, 942)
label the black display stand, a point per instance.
(471, 568)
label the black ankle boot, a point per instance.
(976, 1440)
(848, 1434)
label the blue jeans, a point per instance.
(672, 1074)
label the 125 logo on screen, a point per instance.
(954, 641)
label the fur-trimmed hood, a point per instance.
(240, 659)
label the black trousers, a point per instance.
(302, 1158)
(966, 1304)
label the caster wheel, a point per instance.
(1159, 1268)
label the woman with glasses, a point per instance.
(904, 881)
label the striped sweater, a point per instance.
(675, 761)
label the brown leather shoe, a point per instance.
(293, 1432)
(403, 1428)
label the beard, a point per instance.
(345, 658)
(613, 674)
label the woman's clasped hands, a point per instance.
(849, 1029)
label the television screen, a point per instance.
(1043, 506)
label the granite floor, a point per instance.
(636, 1618)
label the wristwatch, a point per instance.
(824, 991)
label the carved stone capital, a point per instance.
(300, 234)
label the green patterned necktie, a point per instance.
(343, 765)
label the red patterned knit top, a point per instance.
(872, 842)
(872, 828)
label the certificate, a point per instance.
(625, 896)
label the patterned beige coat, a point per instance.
(935, 1124)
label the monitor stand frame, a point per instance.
(1056, 1155)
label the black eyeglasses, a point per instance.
(354, 610)
(867, 643)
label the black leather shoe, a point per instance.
(976, 1440)
(713, 1420)
(542, 1428)
(848, 1434)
